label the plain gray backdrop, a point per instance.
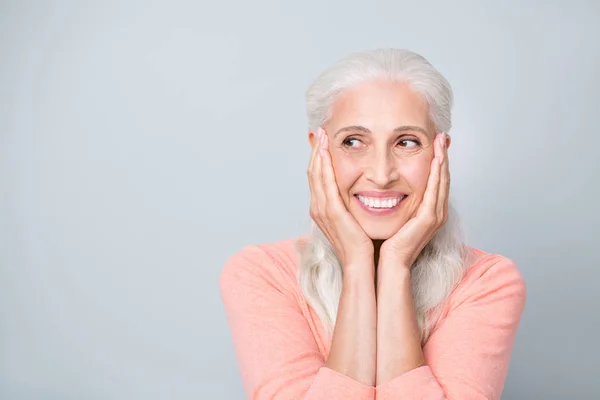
(143, 143)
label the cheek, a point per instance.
(346, 172)
(416, 173)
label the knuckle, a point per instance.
(334, 213)
(330, 208)
(430, 218)
(317, 213)
(445, 216)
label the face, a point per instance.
(381, 144)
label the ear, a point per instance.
(312, 138)
(448, 141)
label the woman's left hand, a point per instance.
(406, 244)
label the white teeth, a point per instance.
(379, 203)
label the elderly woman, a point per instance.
(382, 298)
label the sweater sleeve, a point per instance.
(467, 355)
(276, 352)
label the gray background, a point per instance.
(141, 144)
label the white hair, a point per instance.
(442, 262)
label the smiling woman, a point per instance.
(382, 298)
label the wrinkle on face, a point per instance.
(366, 127)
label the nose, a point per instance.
(382, 170)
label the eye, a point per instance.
(409, 143)
(354, 142)
(348, 142)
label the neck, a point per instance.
(376, 246)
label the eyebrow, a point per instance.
(399, 129)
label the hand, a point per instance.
(406, 244)
(349, 240)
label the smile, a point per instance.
(378, 205)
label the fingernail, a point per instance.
(443, 140)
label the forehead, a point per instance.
(380, 105)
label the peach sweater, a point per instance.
(281, 346)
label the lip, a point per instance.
(381, 195)
(380, 211)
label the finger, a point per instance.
(314, 155)
(329, 183)
(442, 203)
(318, 191)
(315, 148)
(430, 198)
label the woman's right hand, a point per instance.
(349, 240)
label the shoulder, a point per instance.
(491, 277)
(261, 266)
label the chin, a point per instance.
(380, 227)
(381, 232)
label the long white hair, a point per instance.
(442, 262)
